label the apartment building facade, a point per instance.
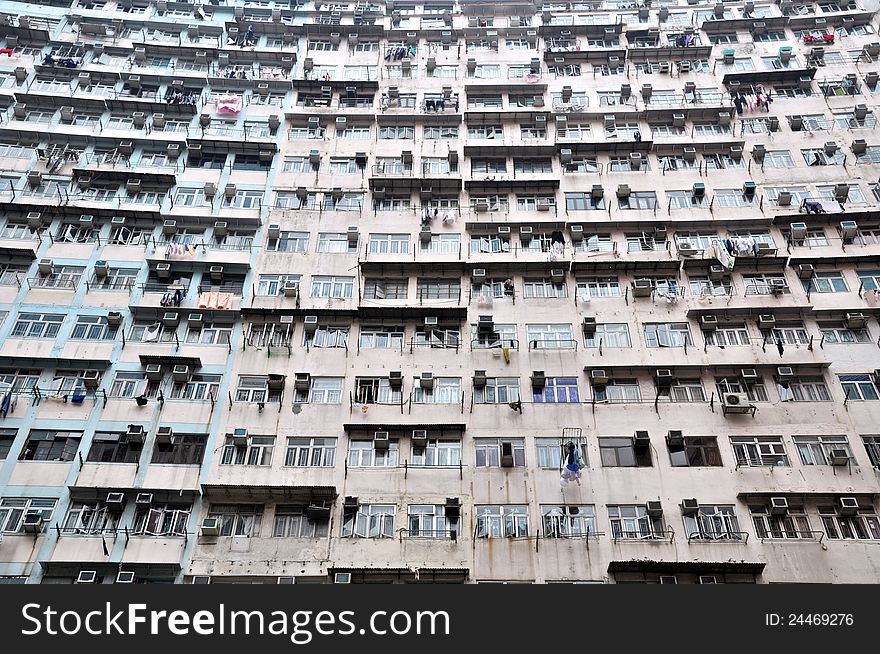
(439, 292)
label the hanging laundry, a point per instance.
(780, 347)
(191, 250)
(151, 333)
(724, 257)
(506, 352)
(584, 294)
(6, 404)
(785, 393)
(78, 396)
(573, 466)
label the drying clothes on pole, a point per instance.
(724, 257)
(573, 466)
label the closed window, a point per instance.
(310, 452)
(237, 519)
(502, 521)
(184, 449)
(257, 451)
(623, 452)
(45, 445)
(632, 522)
(293, 521)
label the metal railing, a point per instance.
(667, 535)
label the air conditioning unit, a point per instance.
(598, 377)
(419, 436)
(115, 502)
(342, 578)
(798, 231)
(276, 382)
(778, 506)
(302, 381)
(143, 499)
(806, 270)
(849, 228)
(195, 321)
(856, 320)
(690, 507)
(135, 434)
(641, 441)
(717, 273)
(687, 249)
(589, 325)
(395, 379)
(46, 266)
(539, 380)
(859, 146)
(170, 318)
(839, 457)
(291, 289)
(124, 577)
(479, 378)
(87, 577)
(785, 372)
(91, 379)
(654, 508)
(101, 269)
(708, 323)
(507, 454)
(216, 273)
(240, 436)
(380, 440)
(642, 288)
(153, 372)
(848, 506)
(35, 219)
(749, 375)
(210, 527)
(169, 227)
(425, 235)
(664, 378)
(485, 325)
(478, 274)
(426, 380)
(557, 274)
(735, 399)
(32, 522)
(310, 324)
(164, 435)
(675, 438)
(431, 321)
(766, 321)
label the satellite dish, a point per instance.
(297, 408)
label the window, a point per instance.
(332, 287)
(108, 447)
(713, 523)
(92, 328)
(310, 452)
(322, 390)
(209, 334)
(429, 521)
(863, 526)
(199, 388)
(838, 332)
(381, 337)
(683, 390)
(793, 525)
(870, 279)
(442, 244)
(618, 391)
(825, 282)
(729, 198)
(857, 388)
(354, 133)
(440, 132)
(817, 450)
(89, 518)
(245, 200)
(237, 519)
(437, 452)
(551, 452)
(675, 334)
(550, 336)
(131, 385)
(44, 445)
(37, 325)
(872, 446)
(162, 520)
(369, 521)
(804, 389)
(619, 452)
(13, 511)
(257, 452)
(389, 244)
(695, 451)
(289, 242)
(117, 279)
(557, 390)
(364, 454)
(7, 438)
(756, 391)
(296, 165)
(184, 449)
(818, 157)
(759, 451)
(489, 451)
(335, 242)
(632, 522)
(609, 335)
(342, 166)
(638, 200)
(293, 521)
(376, 390)
(544, 288)
(446, 390)
(498, 390)
(495, 521)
